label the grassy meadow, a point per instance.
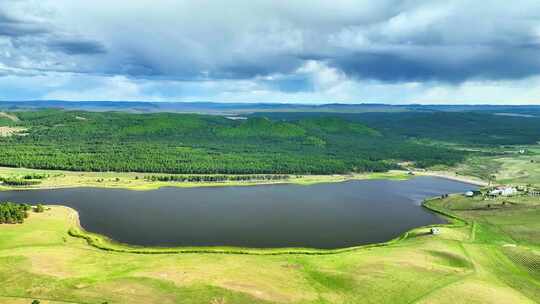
(135, 181)
(520, 170)
(501, 165)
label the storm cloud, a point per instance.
(12, 27)
(77, 47)
(286, 47)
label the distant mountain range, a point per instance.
(219, 108)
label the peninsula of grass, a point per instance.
(104, 243)
(140, 181)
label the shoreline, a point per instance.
(459, 178)
(105, 243)
(131, 180)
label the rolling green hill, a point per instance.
(470, 128)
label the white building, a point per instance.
(504, 191)
(495, 192)
(509, 191)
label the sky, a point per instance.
(299, 51)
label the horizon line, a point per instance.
(272, 103)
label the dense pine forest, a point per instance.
(478, 128)
(265, 143)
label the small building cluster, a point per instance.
(503, 191)
(472, 193)
(533, 192)
(507, 190)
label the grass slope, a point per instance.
(490, 257)
(507, 167)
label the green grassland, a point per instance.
(491, 255)
(507, 167)
(520, 170)
(135, 181)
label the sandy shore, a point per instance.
(448, 175)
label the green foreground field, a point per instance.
(491, 257)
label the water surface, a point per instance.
(319, 216)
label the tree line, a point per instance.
(214, 178)
(13, 181)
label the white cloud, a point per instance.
(525, 91)
(116, 88)
(331, 86)
(321, 75)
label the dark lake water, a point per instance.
(320, 216)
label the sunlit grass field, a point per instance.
(522, 170)
(507, 166)
(136, 181)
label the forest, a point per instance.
(265, 143)
(473, 128)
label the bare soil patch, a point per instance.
(9, 116)
(10, 131)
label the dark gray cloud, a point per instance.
(12, 27)
(495, 64)
(253, 67)
(77, 47)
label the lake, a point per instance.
(332, 215)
